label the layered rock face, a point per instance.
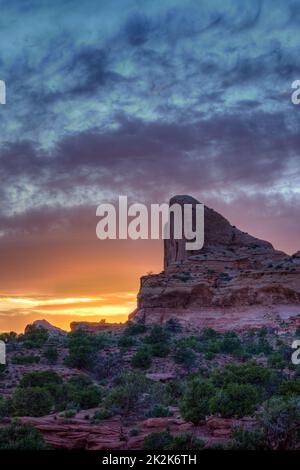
(234, 281)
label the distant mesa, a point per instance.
(51, 329)
(235, 281)
(95, 327)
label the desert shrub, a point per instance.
(276, 360)
(108, 366)
(45, 378)
(279, 421)
(159, 411)
(158, 441)
(210, 341)
(68, 414)
(185, 356)
(157, 334)
(126, 341)
(133, 329)
(160, 349)
(231, 343)
(31, 401)
(261, 347)
(243, 439)
(127, 393)
(173, 326)
(48, 380)
(8, 337)
(5, 407)
(18, 436)
(208, 334)
(141, 359)
(194, 405)
(25, 359)
(290, 387)
(174, 391)
(250, 372)
(82, 392)
(3, 368)
(191, 342)
(186, 441)
(100, 414)
(165, 441)
(234, 400)
(35, 337)
(51, 354)
(83, 348)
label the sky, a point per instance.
(147, 99)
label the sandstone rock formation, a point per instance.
(235, 281)
(52, 330)
(111, 434)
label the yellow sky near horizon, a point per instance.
(17, 312)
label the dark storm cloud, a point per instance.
(152, 159)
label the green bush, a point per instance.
(210, 341)
(159, 411)
(127, 393)
(257, 343)
(25, 359)
(48, 380)
(51, 354)
(231, 344)
(279, 421)
(31, 401)
(290, 387)
(45, 378)
(185, 356)
(174, 390)
(5, 407)
(102, 413)
(82, 392)
(276, 360)
(83, 348)
(35, 337)
(133, 329)
(157, 335)
(108, 365)
(10, 337)
(3, 368)
(208, 334)
(160, 349)
(250, 372)
(234, 400)
(194, 405)
(186, 441)
(243, 439)
(165, 441)
(141, 359)
(17, 436)
(126, 341)
(158, 441)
